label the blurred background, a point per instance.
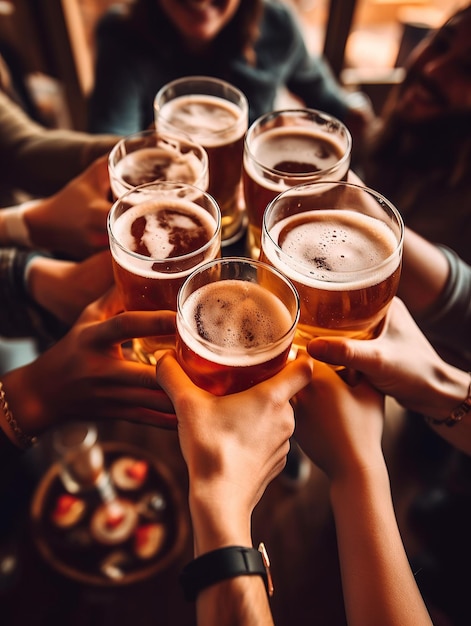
(365, 41)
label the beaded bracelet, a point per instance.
(24, 440)
(457, 415)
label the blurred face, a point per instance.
(199, 21)
(438, 81)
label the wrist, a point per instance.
(223, 564)
(218, 520)
(36, 218)
(13, 425)
(23, 391)
(456, 401)
(360, 481)
(451, 389)
(14, 229)
(38, 279)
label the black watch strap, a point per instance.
(228, 562)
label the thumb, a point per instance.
(97, 172)
(351, 353)
(104, 307)
(292, 378)
(172, 378)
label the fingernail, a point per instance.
(318, 348)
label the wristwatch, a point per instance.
(223, 563)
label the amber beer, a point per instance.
(215, 115)
(287, 148)
(157, 238)
(344, 262)
(148, 156)
(234, 327)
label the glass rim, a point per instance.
(148, 259)
(360, 274)
(212, 347)
(303, 175)
(242, 104)
(148, 132)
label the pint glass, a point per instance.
(235, 324)
(149, 156)
(159, 233)
(215, 115)
(287, 148)
(341, 245)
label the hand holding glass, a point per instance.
(236, 320)
(341, 245)
(159, 233)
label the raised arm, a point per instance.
(425, 273)
(233, 446)
(340, 429)
(70, 222)
(40, 160)
(85, 374)
(402, 363)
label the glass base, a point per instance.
(237, 236)
(144, 348)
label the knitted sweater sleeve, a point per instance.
(39, 160)
(20, 316)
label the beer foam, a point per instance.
(155, 237)
(208, 120)
(239, 318)
(147, 165)
(334, 248)
(297, 145)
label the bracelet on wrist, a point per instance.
(223, 563)
(24, 441)
(457, 414)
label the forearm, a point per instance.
(215, 523)
(39, 160)
(425, 273)
(239, 601)
(32, 413)
(451, 402)
(378, 584)
(445, 388)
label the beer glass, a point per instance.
(159, 233)
(235, 324)
(341, 245)
(214, 114)
(286, 148)
(149, 156)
